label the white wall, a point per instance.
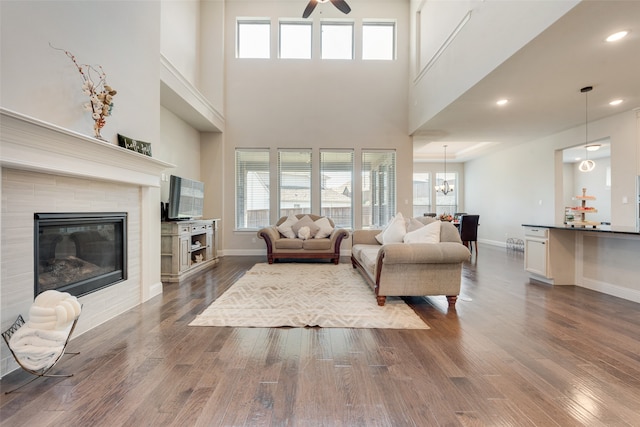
(495, 30)
(181, 147)
(519, 185)
(180, 36)
(43, 83)
(315, 103)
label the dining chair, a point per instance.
(469, 230)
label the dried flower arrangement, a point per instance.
(100, 94)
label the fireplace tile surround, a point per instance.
(46, 168)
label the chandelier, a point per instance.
(586, 165)
(445, 188)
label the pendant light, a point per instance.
(586, 165)
(445, 188)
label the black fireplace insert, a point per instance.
(79, 253)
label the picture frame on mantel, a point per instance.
(134, 145)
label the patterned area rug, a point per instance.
(300, 295)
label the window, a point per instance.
(421, 194)
(378, 187)
(254, 39)
(337, 40)
(294, 181)
(252, 188)
(336, 191)
(295, 40)
(378, 40)
(447, 203)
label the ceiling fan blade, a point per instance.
(341, 5)
(307, 11)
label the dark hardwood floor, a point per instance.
(512, 353)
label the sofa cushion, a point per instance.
(288, 244)
(317, 244)
(367, 256)
(325, 228)
(305, 221)
(394, 231)
(286, 227)
(425, 234)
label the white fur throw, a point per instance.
(304, 233)
(41, 339)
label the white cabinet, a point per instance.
(536, 254)
(536, 257)
(187, 247)
(548, 255)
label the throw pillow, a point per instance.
(430, 233)
(394, 231)
(305, 221)
(285, 228)
(325, 228)
(413, 224)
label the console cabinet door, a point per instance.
(185, 252)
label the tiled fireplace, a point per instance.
(48, 169)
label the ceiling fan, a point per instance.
(340, 4)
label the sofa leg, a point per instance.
(381, 300)
(336, 261)
(270, 259)
(452, 299)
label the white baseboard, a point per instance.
(155, 290)
(610, 289)
(493, 243)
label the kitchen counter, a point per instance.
(604, 259)
(598, 229)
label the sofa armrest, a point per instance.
(270, 235)
(365, 237)
(424, 253)
(338, 234)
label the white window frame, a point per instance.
(422, 183)
(336, 23)
(239, 43)
(380, 24)
(378, 187)
(302, 167)
(293, 23)
(332, 194)
(249, 194)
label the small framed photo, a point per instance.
(134, 145)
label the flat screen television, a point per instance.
(186, 198)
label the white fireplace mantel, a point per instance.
(31, 144)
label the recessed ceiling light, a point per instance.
(502, 102)
(616, 102)
(617, 36)
(593, 147)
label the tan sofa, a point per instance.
(281, 247)
(411, 269)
